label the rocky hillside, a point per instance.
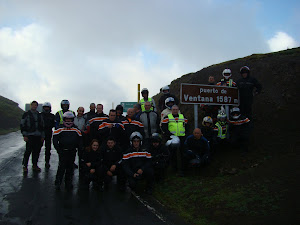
(261, 187)
(276, 107)
(10, 115)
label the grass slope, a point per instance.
(10, 115)
(261, 187)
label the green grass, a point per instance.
(208, 200)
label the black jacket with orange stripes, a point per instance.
(65, 138)
(135, 159)
(117, 131)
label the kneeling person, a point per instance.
(137, 163)
(197, 149)
(160, 156)
(111, 156)
(91, 166)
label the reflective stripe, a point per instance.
(220, 131)
(61, 116)
(136, 155)
(142, 101)
(64, 129)
(176, 125)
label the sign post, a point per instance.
(209, 95)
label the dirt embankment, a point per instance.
(10, 115)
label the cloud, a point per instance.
(99, 51)
(282, 41)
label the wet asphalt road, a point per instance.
(32, 200)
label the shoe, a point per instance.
(47, 165)
(36, 168)
(75, 166)
(25, 169)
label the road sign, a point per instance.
(127, 105)
(208, 94)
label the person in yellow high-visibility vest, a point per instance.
(174, 125)
(145, 94)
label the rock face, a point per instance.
(10, 114)
(275, 109)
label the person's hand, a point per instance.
(135, 175)
(113, 168)
(25, 139)
(140, 171)
(109, 173)
(89, 164)
(92, 171)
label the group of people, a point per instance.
(141, 144)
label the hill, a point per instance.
(259, 188)
(10, 115)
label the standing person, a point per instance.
(49, 120)
(111, 156)
(166, 94)
(174, 124)
(79, 120)
(65, 105)
(94, 123)
(197, 149)
(169, 102)
(248, 86)
(66, 140)
(131, 125)
(145, 95)
(239, 130)
(91, 114)
(227, 81)
(32, 128)
(137, 111)
(119, 110)
(150, 121)
(112, 127)
(91, 166)
(137, 163)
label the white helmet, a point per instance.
(47, 104)
(173, 142)
(170, 99)
(226, 73)
(207, 119)
(136, 135)
(68, 115)
(234, 111)
(144, 90)
(165, 89)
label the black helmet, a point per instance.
(119, 107)
(156, 137)
(245, 69)
(65, 104)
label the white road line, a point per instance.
(145, 203)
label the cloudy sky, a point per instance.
(98, 51)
